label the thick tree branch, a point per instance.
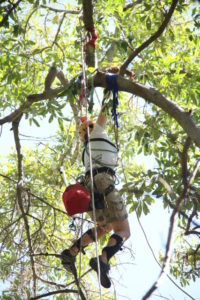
(170, 233)
(46, 95)
(88, 14)
(151, 39)
(184, 118)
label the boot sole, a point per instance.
(105, 281)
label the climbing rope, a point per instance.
(79, 277)
(83, 100)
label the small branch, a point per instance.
(15, 126)
(194, 213)
(59, 27)
(148, 243)
(53, 73)
(66, 11)
(131, 5)
(151, 39)
(50, 78)
(5, 18)
(45, 202)
(46, 254)
(170, 232)
(172, 195)
(62, 78)
(65, 291)
(184, 155)
(51, 283)
(9, 225)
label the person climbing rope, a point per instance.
(110, 211)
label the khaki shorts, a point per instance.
(114, 207)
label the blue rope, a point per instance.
(111, 85)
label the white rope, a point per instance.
(79, 277)
(91, 171)
(93, 210)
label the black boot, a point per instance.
(104, 270)
(68, 261)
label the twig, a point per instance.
(158, 261)
(5, 18)
(46, 254)
(130, 5)
(173, 195)
(59, 27)
(65, 291)
(66, 11)
(151, 39)
(184, 155)
(169, 239)
(15, 126)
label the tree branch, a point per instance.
(158, 261)
(151, 39)
(66, 11)
(151, 95)
(131, 5)
(184, 155)
(59, 27)
(170, 233)
(5, 18)
(65, 291)
(88, 14)
(172, 195)
(20, 184)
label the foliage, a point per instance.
(38, 35)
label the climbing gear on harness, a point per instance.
(111, 85)
(68, 261)
(83, 128)
(76, 199)
(111, 250)
(104, 270)
(101, 170)
(98, 202)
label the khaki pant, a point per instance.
(114, 207)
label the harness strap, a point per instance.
(101, 170)
(96, 140)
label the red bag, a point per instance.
(76, 199)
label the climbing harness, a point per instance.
(91, 42)
(96, 160)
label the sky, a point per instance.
(132, 276)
